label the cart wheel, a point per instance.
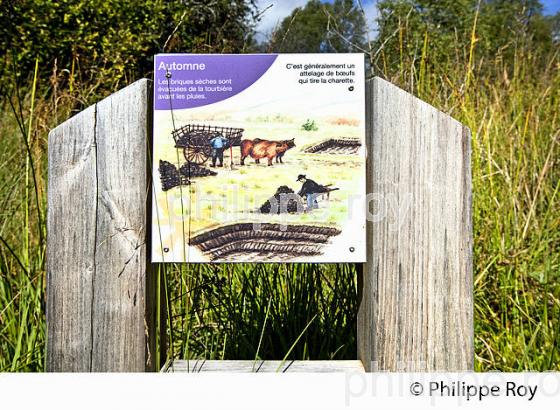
(195, 155)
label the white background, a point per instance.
(259, 391)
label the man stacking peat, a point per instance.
(310, 190)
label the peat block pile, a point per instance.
(171, 177)
(285, 200)
(336, 146)
(192, 170)
(239, 242)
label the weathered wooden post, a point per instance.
(416, 298)
(100, 304)
(416, 289)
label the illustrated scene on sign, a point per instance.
(246, 183)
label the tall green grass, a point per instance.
(22, 233)
(309, 311)
(259, 311)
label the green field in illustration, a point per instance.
(247, 187)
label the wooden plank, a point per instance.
(416, 309)
(119, 336)
(100, 289)
(265, 366)
(71, 221)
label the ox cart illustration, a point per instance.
(195, 140)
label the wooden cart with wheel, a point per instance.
(195, 140)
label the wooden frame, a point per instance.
(416, 309)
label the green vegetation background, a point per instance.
(492, 64)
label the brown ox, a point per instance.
(258, 149)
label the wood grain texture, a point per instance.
(71, 226)
(416, 309)
(264, 366)
(98, 316)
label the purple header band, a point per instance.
(193, 80)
